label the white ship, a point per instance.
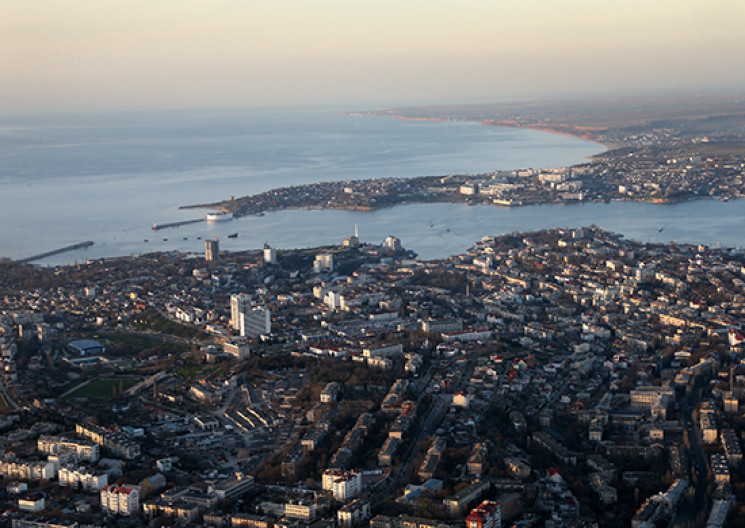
(219, 217)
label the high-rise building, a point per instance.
(393, 243)
(256, 322)
(270, 255)
(323, 262)
(211, 250)
(239, 303)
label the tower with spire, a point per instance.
(354, 240)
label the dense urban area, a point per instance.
(561, 378)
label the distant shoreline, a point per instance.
(503, 123)
(234, 205)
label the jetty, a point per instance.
(73, 247)
(156, 227)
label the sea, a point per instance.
(108, 177)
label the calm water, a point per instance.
(108, 178)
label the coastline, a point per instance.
(131, 232)
(237, 206)
(233, 205)
(650, 200)
(580, 132)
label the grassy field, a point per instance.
(102, 389)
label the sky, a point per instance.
(142, 54)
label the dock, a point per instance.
(73, 247)
(156, 227)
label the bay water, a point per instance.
(108, 177)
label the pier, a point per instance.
(156, 227)
(82, 245)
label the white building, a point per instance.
(32, 502)
(124, 500)
(393, 243)
(343, 485)
(239, 349)
(270, 254)
(78, 477)
(323, 262)
(333, 299)
(54, 445)
(256, 322)
(474, 334)
(28, 470)
(239, 303)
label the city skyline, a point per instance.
(87, 56)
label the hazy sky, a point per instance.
(97, 54)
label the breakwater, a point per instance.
(73, 247)
(157, 227)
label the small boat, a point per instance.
(146, 240)
(199, 238)
(233, 235)
(186, 238)
(165, 240)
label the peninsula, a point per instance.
(659, 150)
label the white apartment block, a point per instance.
(124, 500)
(239, 303)
(343, 485)
(78, 477)
(119, 444)
(28, 470)
(54, 445)
(255, 322)
(323, 262)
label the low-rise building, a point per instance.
(353, 513)
(232, 488)
(488, 514)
